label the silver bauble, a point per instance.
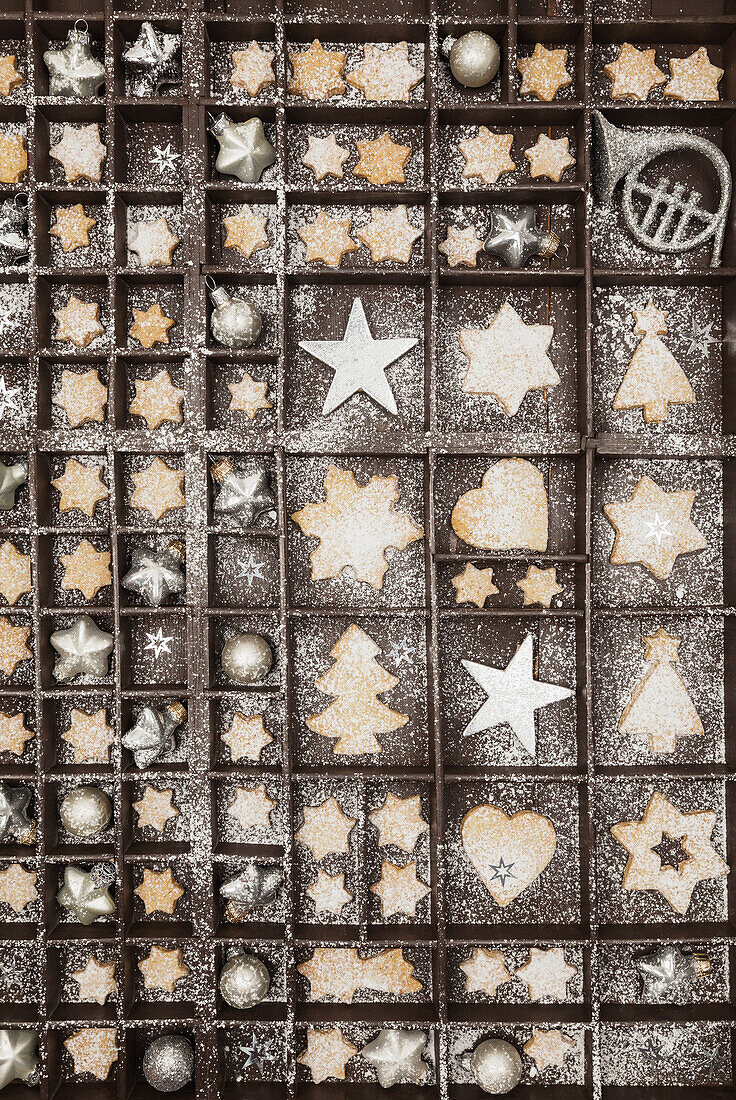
(247, 658)
(86, 811)
(168, 1063)
(235, 322)
(496, 1066)
(474, 58)
(244, 981)
(18, 1056)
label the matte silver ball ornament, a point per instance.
(497, 1066)
(247, 658)
(168, 1063)
(244, 981)
(474, 58)
(86, 811)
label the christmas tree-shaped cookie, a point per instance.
(654, 379)
(356, 680)
(660, 707)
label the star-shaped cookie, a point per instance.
(94, 1050)
(78, 322)
(246, 231)
(252, 808)
(546, 974)
(326, 1054)
(72, 227)
(14, 733)
(158, 488)
(157, 400)
(13, 645)
(693, 78)
(249, 396)
(326, 829)
(634, 73)
(163, 967)
(96, 980)
(389, 235)
(653, 528)
(152, 242)
(539, 586)
(474, 585)
(155, 808)
(325, 157)
(461, 246)
(246, 737)
(327, 239)
(150, 326)
(10, 78)
(400, 889)
(17, 887)
(399, 821)
(550, 157)
(80, 152)
(81, 487)
(90, 735)
(548, 1047)
(86, 570)
(487, 155)
(328, 893)
(544, 73)
(82, 397)
(13, 158)
(252, 69)
(15, 573)
(386, 73)
(159, 891)
(485, 970)
(644, 867)
(317, 73)
(382, 160)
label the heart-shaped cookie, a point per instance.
(507, 852)
(510, 510)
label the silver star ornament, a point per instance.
(245, 152)
(11, 478)
(86, 894)
(668, 967)
(151, 737)
(83, 650)
(152, 60)
(513, 696)
(396, 1056)
(359, 362)
(74, 70)
(700, 338)
(156, 574)
(18, 1055)
(514, 236)
(14, 228)
(245, 494)
(15, 824)
(253, 887)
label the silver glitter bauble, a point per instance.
(234, 322)
(497, 1066)
(14, 227)
(396, 1056)
(514, 237)
(168, 1063)
(74, 70)
(247, 658)
(474, 58)
(245, 493)
(245, 151)
(244, 981)
(18, 1056)
(153, 60)
(86, 811)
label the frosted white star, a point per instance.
(513, 696)
(251, 569)
(159, 643)
(658, 529)
(700, 339)
(8, 400)
(165, 158)
(402, 653)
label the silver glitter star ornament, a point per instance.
(74, 70)
(18, 1056)
(86, 894)
(14, 227)
(359, 362)
(700, 338)
(156, 574)
(11, 478)
(668, 967)
(153, 60)
(514, 236)
(396, 1056)
(151, 736)
(245, 152)
(83, 650)
(245, 494)
(252, 888)
(15, 824)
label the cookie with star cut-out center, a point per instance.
(245, 232)
(83, 397)
(78, 322)
(80, 152)
(461, 246)
(550, 157)
(157, 400)
(10, 78)
(72, 227)
(249, 396)
(487, 155)
(389, 235)
(385, 73)
(382, 161)
(94, 1050)
(14, 733)
(252, 69)
(653, 528)
(158, 488)
(327, 240)
(325, 157)
(81, 487)
(693, 78)
(150, 326)
(317, 73)
(634, 73)
(13, 158)
(15, 573)
(17, 887)
(544, 73)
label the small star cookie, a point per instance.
(693, 78)
(247, 737)
(162, 968)
(17, 887)
(158, 488)
(539, 586)
(157, 400)
(79, 322)
(550, 157)
(317, 73)
(487, 155)
(82, 397)
(155, 808)
(81, 487)
(252, 808)
(90, 735)
(389, 235)
(327, 239)
(546, 974)
(653, 528)
(14, 733)
(326, 1054)
(80, 152)
(252, 69)
(159, 891)
(13, 158)
(634, 73)
(485, 971)
(461, 246)
(399, 889)
(326, 829)
(13, 646)
(10, 78)
(325, 157)
(153, 243)
(548, 1047)
(150, 326)
(86, 570)
(246, 232)
(474, 585)
(96, 980)
(399, 821)
(249, 396)
(94, 1050)
(72, 227)
(544, 73)
(15, 573)
(328, 893)
(386, 73)
(382, 161)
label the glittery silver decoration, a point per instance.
(396, 1056)
(245, 151)
(14, 227)
(667, 211)
(234, 322)
(74, 70)
(151, 737)
(86, 811)
(156, 574)
(15, 824)
(359, 362)
(245, 493)
(86, 894)
(244, 981)
(474, 58)
(668, 968)
(515, 237)
(153, 60)
(168, 1063)
(247, 658)
(83, 650)
(253, 887)
(496, 1066)
(11, 478)
(18, 1055)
